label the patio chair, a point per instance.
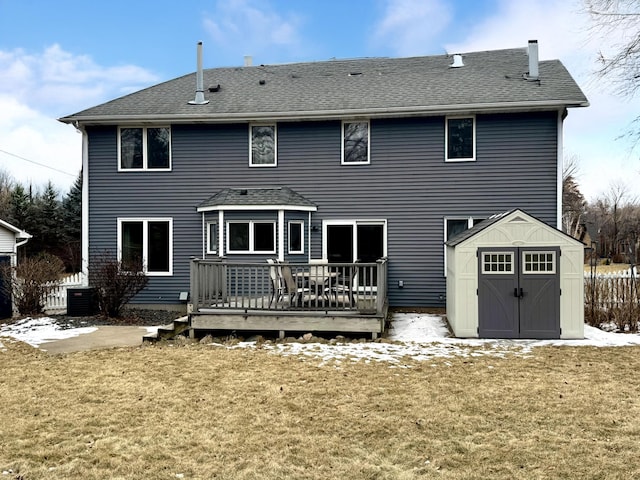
(277, 284)
(297, 294)
(345, 287)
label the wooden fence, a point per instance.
(57, 299)
(613, 298)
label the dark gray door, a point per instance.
(519, 292)
(497, 293)
(540, 300)
(5, 295)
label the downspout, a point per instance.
(85, 206)
(561, 115)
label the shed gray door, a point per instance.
(519, 293)
(5, 295)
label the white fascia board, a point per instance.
(295, 208)
(214, 117)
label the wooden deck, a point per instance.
(247, 297)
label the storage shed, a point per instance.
(513, 276)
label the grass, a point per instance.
(203, 412)
(612, 268)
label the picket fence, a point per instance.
(614, 289)
(57, 298)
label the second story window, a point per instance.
(144, 148)
(262, 146)
(460, 139)
(355, 143)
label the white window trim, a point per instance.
(297, 222)
(446, 139)
(532, 272)
(209, 225)
(275, 145)
(446, 232)
(145, 167)
(145, 241)
(368, 162)
(507, 253)
(354, 223)
(251, 237)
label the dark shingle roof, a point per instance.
(260, 197)
(488, 80)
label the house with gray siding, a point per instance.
(339, 160)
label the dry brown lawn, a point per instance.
(203, 412)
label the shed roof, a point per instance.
(493, 219)
(263, 198)
(489, 80)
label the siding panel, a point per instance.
(408, 183)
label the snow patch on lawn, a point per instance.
(415, 336)
(36, 331)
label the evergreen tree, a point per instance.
(72, 225)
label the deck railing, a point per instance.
(314, 287)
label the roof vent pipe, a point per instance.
(457, 61)
(533, 60)
(199, 100)
(248, 60)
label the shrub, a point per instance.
(116, 282)
(31, 281)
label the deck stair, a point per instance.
(167, 332)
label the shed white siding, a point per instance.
(516, 229)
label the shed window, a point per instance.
(497, 263)
(539, 262)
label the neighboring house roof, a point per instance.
(20, 234)
(268, 198)
(488, 81)
(484, 224)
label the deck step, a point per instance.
(167, 332)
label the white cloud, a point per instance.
(59, 82)
(35, 89)
(245, 27)
(409, 26)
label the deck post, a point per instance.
(195, 295)
(281, 334)
(381, 283)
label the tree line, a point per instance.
(609, 225)
(53, 218)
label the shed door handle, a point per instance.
(515, 292)
(521, 293)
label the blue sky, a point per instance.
(60, 57)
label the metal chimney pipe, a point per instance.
(533, 60)
(199, 100)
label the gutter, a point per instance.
(216, 117)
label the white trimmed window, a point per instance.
(146, 241)
(460, 139)
(355, 143)
(212, 238)
(144, 148)
(454, 226)
(539, 262)
(251, 237)
(263, 145)
(296, 237)
(497, 263)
